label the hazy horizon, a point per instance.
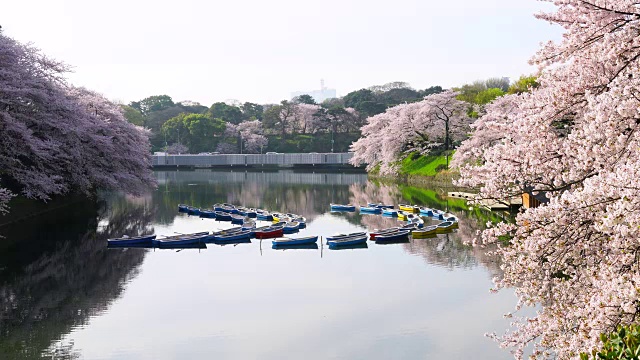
(261, 52)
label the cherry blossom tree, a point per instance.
(575, 138)
(55, 138)
(251, 133)
(438, 120)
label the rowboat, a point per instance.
(415, 219)
(169, 245)
(403, 215)
(210, 214)
(186, 239)
(390, 212)
(287, 241)
(237, 219)
(428, 231)
(348, 247)
(291, 227)
(372, 235)
(380, 206)
(340, 207)
(344, 236)
(183, 208)
(398, 236)
(193, 211)
(425, 211)
(264, 216)
(223, 216)
(348, 241)
(241, 235)
(409, 208)
(133, 240)
(313, 246)
(270, 232)
(446, 225)
(438, 214)
(370, 210)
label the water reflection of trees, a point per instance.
(60, 272)
(308, 195)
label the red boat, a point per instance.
(268, 233)
(372, 235)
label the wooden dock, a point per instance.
(489, 204)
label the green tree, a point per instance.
(487, 96)
(304, 99)
(524, 84)
(251, 111)
(132, 115)
(152, 103)
(228, 113)
(365, 102)
(197, 131)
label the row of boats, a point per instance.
(246, 216)
(389, 210)
(290, 223)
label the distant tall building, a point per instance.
(318, 95)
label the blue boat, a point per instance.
(223, 216)
(241, 235)
(265, 216)
(145, 240)
(183, 208)
(348, 241)
(390, 212)
(313, 246)
(397, 236)
(345, 236)
(425, 211)
(287, 241)
(168, 245)
(209, 214)
(193, 211)
(370, 210)
(340, 207)
(348, 247)
(237, 219)
(380, 206)
(180, 240)
(291, 227)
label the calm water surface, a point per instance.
(64, 295)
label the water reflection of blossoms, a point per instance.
(450, 250)
(59, 279)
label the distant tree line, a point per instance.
(299, 124)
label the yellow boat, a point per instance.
(446, 226)
(426, 232)
(402, 215)
(409, 208)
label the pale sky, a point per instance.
(261, 51)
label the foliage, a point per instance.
(437, 121)
(153, 104)
(483, 91)
(304, 99)
(132, 115)
(574, 138)
(228, 113)
(486, 96)
(624, 343)
(198, 132)
(56, 139)
(251, 111)
(523, 84)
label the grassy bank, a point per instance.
(430, 165)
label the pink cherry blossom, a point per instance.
(575, 139)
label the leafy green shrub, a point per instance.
(623, 343)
